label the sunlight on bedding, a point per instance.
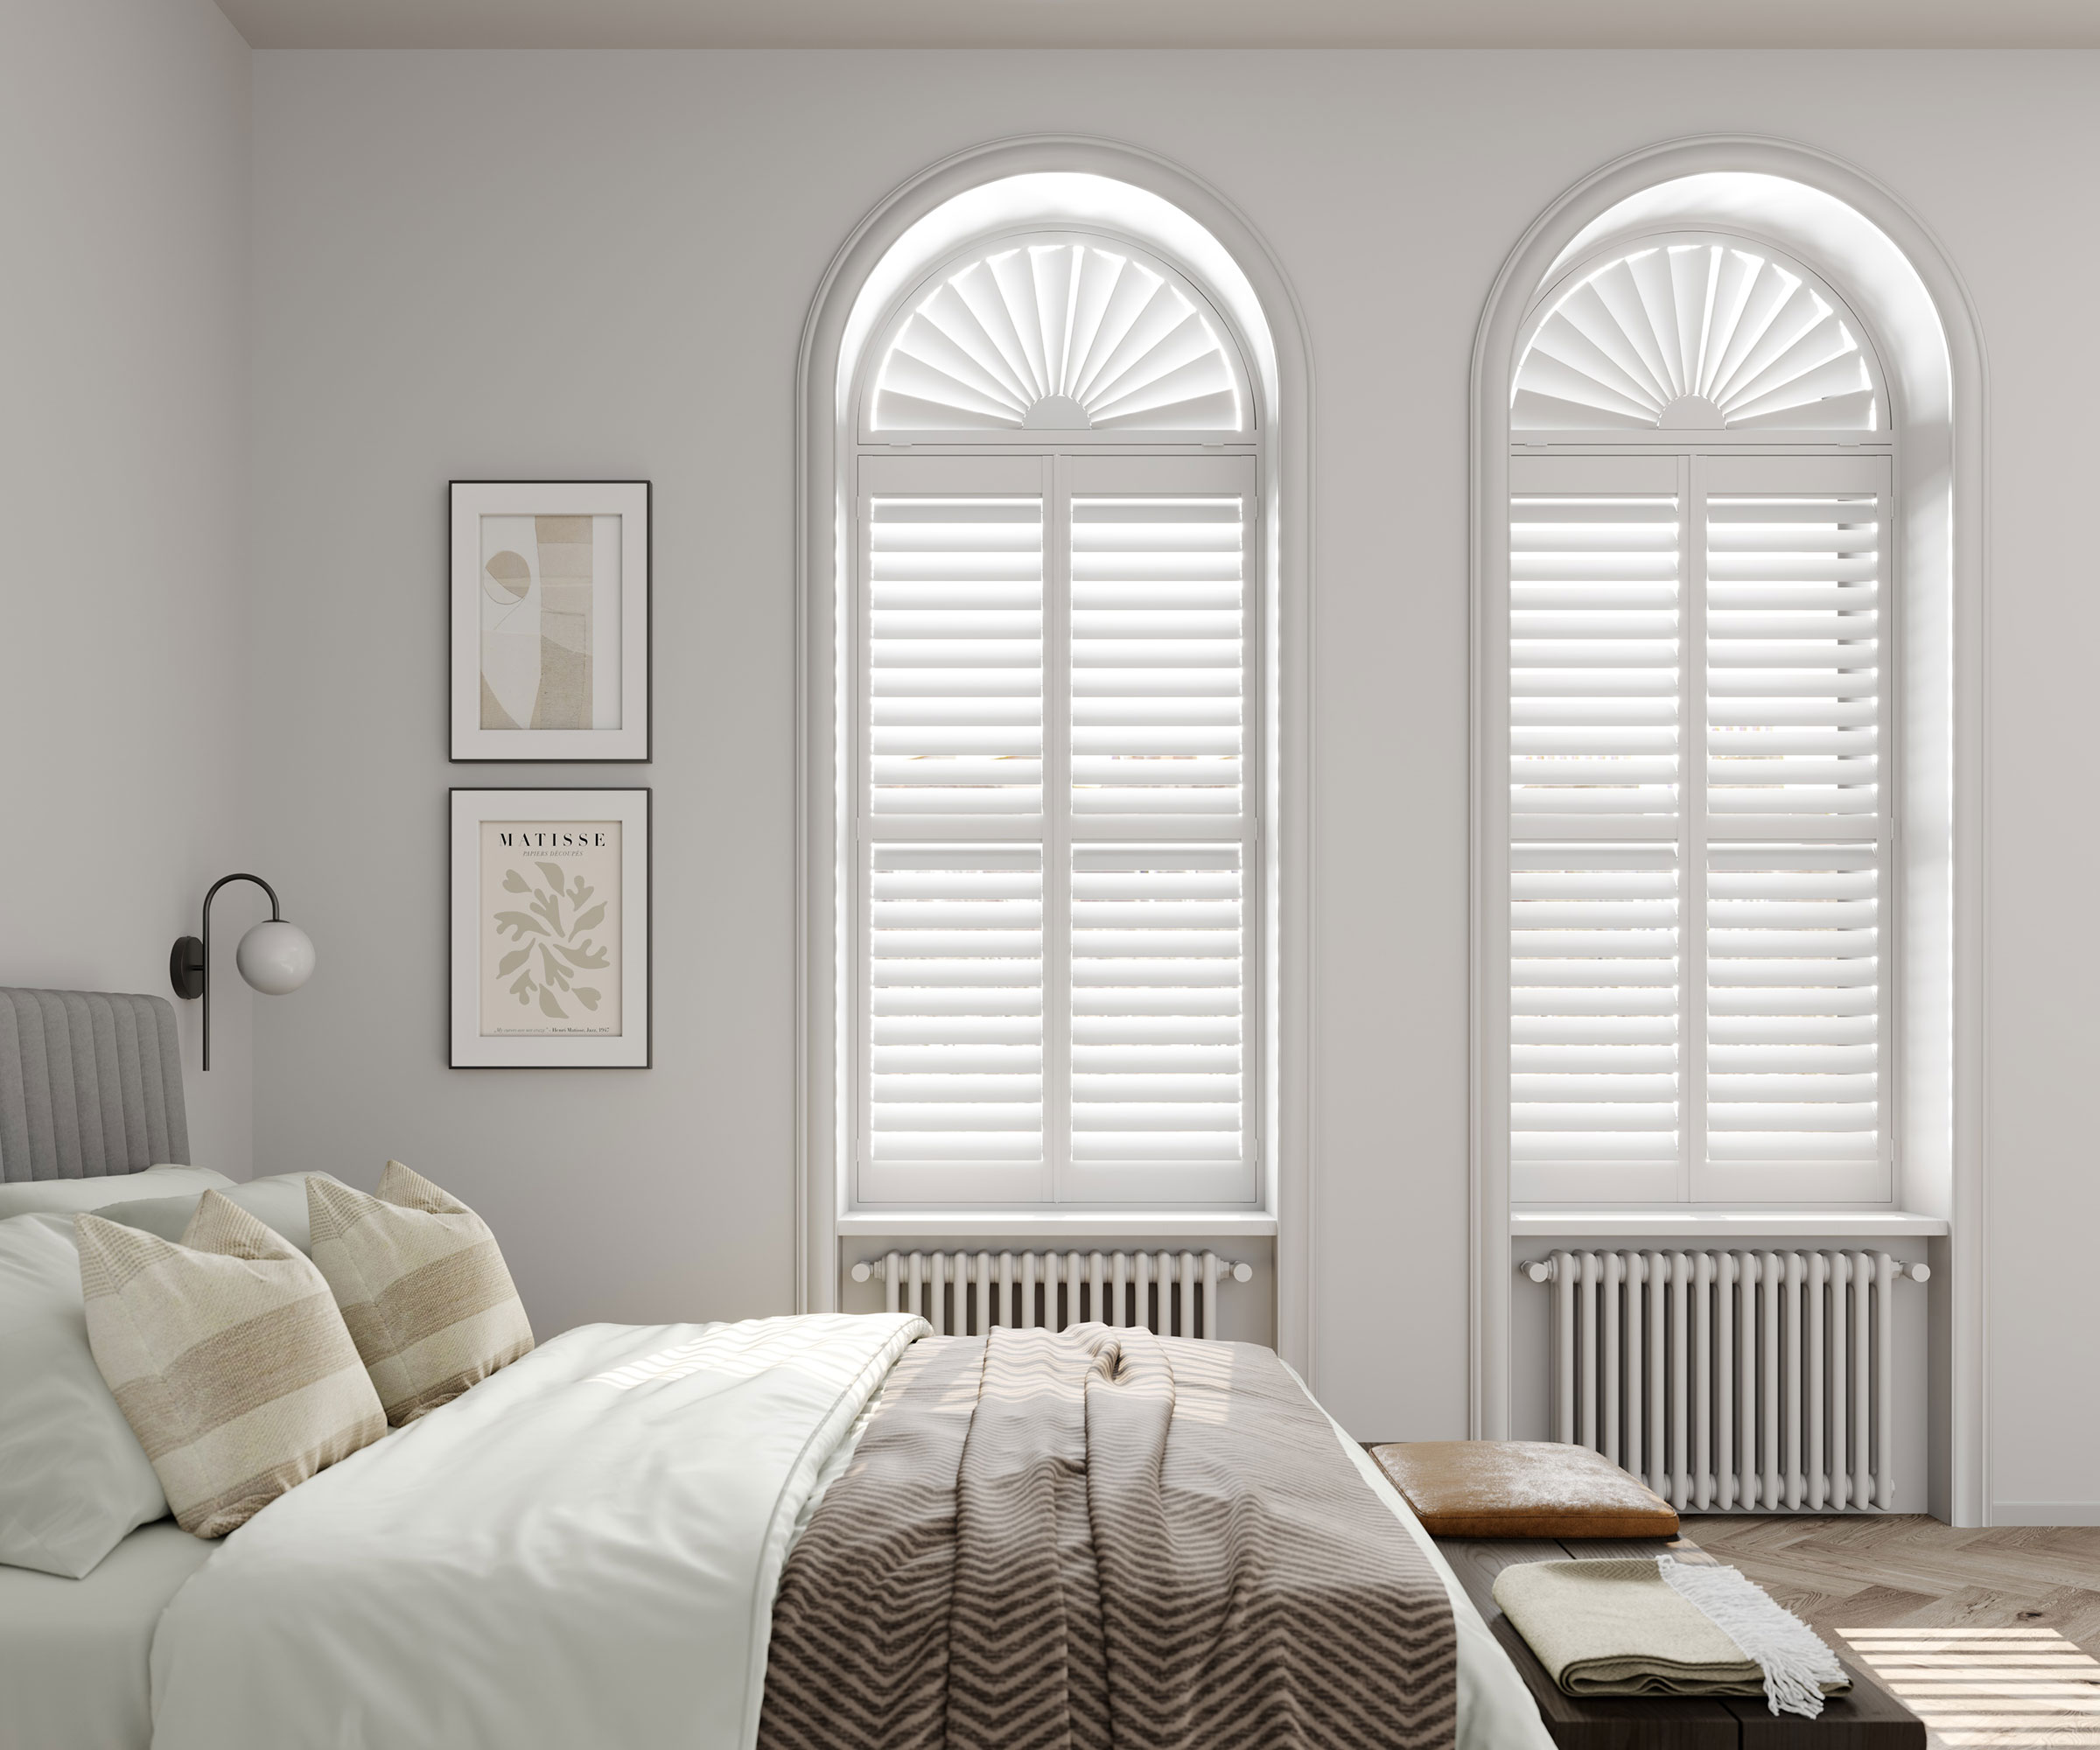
(750, 1347)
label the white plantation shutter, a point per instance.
(956, 655)
(1793, 654)
(1158, 1005)
(1595, 1012)
(1697, 987)
(1793, 1010)
(1158, 660)
(1059, 335)
(1695, 333)
(1594, 639)
(1055, 931)
(955, 1004)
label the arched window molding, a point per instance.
(1859, 238)
(1087, 191)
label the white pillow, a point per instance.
(279, 1202)
(73, 1478)
(36, 1196)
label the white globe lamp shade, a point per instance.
(275, 958)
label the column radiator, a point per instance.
(1733, 1382)
(966, 1294)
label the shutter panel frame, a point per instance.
(1763, 591)
(887, 1052)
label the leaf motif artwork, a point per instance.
(550, 968)
(550, 935)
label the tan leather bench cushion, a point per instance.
(1522, 1488)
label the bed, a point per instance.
(725, 1535)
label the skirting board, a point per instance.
(2044, 1513)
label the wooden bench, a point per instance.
(1868, 1718)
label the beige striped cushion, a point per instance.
(228, 1358)
(421, 1285)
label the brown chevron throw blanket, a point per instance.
(1100, 1539)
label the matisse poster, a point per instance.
(550, 929)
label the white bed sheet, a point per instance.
(73, 1653)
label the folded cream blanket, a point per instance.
(1658, 1627)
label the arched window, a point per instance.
(1699, 829)
(1728, 417)
(1049, 885)
(1053, 731)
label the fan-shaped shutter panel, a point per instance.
(1691, 336)
(1057, 337)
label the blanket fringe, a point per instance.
(1796, 1662)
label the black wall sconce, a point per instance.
(275, 958)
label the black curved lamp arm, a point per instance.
(190, 965)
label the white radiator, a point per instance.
(1732, 1380)
(966, 1294)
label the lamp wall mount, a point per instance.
(275, 956)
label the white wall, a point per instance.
(598, 264)
(123, 498)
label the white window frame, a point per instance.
(1095, 187)
(1862, 240)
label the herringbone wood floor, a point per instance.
(1890, 1572)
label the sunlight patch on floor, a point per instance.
(1989, 1687)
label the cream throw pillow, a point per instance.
(228, 1358)
(423, 1288)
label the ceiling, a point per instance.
(1165, 24)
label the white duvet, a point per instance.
(580, 1552)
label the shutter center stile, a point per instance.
(1691, 870)
(1057, 823)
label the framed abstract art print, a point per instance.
(550, 929)
(551, 620)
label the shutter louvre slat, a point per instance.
(1793, 593)
(1158, 655)
(955, 972)
(1793, 1046)
(956, 655)
(1594, 945)
(1593, 652)
(1157, 957)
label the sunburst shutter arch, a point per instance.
(1695, 334)
(1058, 333)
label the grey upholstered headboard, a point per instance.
(90, 1085)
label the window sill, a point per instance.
(1046, 1226)
(1633, 1222)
